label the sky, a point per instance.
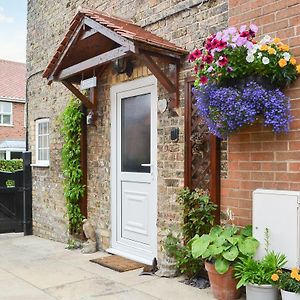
(13, 15)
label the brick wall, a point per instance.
(257, 157)
(17, 131)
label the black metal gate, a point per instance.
(16, 200)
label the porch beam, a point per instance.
(85, 100)
(109, 34)
(70, 44)
(88, 33)
(93, 62)
(158, 73)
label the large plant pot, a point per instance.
(223, 286)
(289, 295)
(261, 292)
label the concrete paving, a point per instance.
(32, 268)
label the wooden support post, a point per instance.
(215, 174)
(85, 100)
(83, 160)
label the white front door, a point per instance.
(133, 169)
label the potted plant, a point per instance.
(288, 283)
(220, 249)
(240, 79)
(257, 275)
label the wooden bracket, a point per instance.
(171, 86)
(85, 100)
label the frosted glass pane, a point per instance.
(6, 107)
(6, 119)
(135, 133)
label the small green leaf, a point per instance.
(200, 245)
(221, 265)
(231, 254)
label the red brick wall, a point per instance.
(257, 157)
(17, 131)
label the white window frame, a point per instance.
(3, 113)
(42, 163)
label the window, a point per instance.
(42, 142)
(5, 113)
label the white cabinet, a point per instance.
(279, 212)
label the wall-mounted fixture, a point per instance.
(175, 134)
(90, 118)
(123, 65)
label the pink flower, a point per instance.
(196, 69)
(229, 69)
(253, 28)
(223, 61)
(241, 41)
(208, 59)
(208, 45)
(197, 53)
(191, 57)
(222, 45)
(245, 34)
(243, 28)
(203, 79)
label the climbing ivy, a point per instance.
(71, 167)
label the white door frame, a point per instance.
(150, 84)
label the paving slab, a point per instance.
(32, 268)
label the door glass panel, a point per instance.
(135, 133)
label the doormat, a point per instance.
(118, 263)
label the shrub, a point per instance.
(11, 165)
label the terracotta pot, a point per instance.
(223, 286)
(289, 295)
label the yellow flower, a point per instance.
(263, 48)
(282, 62)
(277, 40)
(284, 48)
(298, 69)
(293, 60)
(297, 277)
(294, 273)
(271, 51)
(275, 277)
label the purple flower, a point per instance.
(226, 109)
(241, 41)
(253, 28)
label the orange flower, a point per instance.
(294, 273)
(297, 277)
(282, 62)
(293, 60)
(263, 48)
(284, 48)
(275, 277)
(277, 40)
(298, 69)
(271, 51)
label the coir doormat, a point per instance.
(118, 263)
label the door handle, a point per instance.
(146, 165)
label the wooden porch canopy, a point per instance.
(95, 39)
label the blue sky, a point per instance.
(13, 15)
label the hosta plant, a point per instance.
(223, 246)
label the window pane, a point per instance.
(2, 155)
(135, 133)
(40, 154)
(15, 155)
(6, 119)
(40, 145)
(6, 107)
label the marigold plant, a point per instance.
(288, 281)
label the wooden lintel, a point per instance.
(163, 57)
(88, 33)
(85, 100)
(158, 73)
(70, 44)
(109, 34)
(93, 62)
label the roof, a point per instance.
(12, 144)
(12, 80)
(124, 28)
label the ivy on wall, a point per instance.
(71, 167)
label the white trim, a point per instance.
(8, 99)
(150, 84)
(41, 163)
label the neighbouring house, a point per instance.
(138, 151)
(12, 109)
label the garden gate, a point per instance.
(202, 151)
(16, 200)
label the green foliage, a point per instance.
(11, 165)
(197, 212)
(73, 244)
(249, 270)
(197, 216)
(185, 263)
(71, 167)
(224, 245)
(289, 281)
